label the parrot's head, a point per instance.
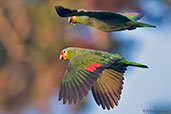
(63, 55)
(68, 53)
(72, 20)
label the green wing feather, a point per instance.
(77, 81)
(65, 12)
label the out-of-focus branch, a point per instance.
(169, 4)
(10, 39)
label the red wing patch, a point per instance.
(132, 13)
(92, 67)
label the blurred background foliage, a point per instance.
(31, 37)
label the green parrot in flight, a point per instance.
(100, 71)
(103, 20)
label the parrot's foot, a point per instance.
(132, 28)
(126, 27)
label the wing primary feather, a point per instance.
(79, 93)
(61, 92)
(113, 95)
(76, 96)
(116, 93)
(100, 97)
(65, 94)
(85, 85)
(114, 87)
(78, 89)
(114, 98)
(70, 95)
(114, 79)
(83, 89)
(64, 12)
(108, 94)
(103, 92)
(94, 92)
(119, 81)
(71, 91)
(115, 90)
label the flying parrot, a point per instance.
(103, 20)
(100, 71)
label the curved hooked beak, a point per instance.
(70, 20)
(61, 57)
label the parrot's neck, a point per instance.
(83, 20)
(71, 52)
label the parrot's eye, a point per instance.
(64, 51)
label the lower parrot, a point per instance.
(98, 71)
(103, 20)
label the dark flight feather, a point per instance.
(107, 89)
(65, 12)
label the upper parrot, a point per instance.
(103, 20)
(100, 71)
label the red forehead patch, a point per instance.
(62, 53)
(92, 67)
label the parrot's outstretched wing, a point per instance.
(83, 71)
(65, 12)
(107, 88)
